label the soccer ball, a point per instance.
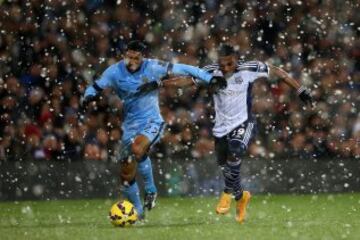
(123, 214)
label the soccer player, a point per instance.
(234, 124)
(135, 80)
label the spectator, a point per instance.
(50, 49)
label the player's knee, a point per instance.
(139, 147)
(138, 151)
(127, 173)
(237, 148)
(126, 178)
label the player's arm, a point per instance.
(280, 73)
(105, 81)
(178, 81)
(187, 70)
(302, 92)
(164, 70)
(184, 81)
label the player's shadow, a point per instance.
(56, 225)
(177, 224)
(97, 225)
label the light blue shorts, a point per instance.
(152, 130)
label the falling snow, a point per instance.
(51, 147)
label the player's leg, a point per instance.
(221, 149)
(141, 146)
(238, 141)
(128, 168)
(153, 132)
(129, 187)
(145, 170)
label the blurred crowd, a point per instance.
(51, 49)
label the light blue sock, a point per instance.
(132, 193)
(145, 170)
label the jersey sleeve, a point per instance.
(159, 69)
(211, 69)
(187, 70)
(254, 70)
(163, 69)
(105, 81)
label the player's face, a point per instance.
(227, 64)
(133, 60)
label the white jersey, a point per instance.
(233, 104)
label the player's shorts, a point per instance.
(235, 143)
(152, 130)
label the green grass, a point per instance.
(270, 217)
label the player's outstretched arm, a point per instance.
(214, 82)
(92, 91)
(171, 81)
(303, 93)
(178, 81)
(183, 71)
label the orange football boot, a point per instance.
(224, 203)
(241, 205)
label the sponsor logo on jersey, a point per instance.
(229, 92)
(239, 80)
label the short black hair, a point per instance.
(226, 50)
(136, 45)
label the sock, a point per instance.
(145, 170)
(132, 193)
(235, 179)
(227, 179)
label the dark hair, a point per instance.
(136, 46)
(226, 50)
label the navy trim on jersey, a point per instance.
(249, 100)
(210, 68)
(97, 87)
(265, 69)
(169, 69)
(252, 66)
(143, 158)
(214, 65)
(248, 68)
(161, 128)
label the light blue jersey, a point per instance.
(141, 110)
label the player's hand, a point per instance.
(217, 83)
(84, 105)
(87, 100)
(148, 87)
(305, 96)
